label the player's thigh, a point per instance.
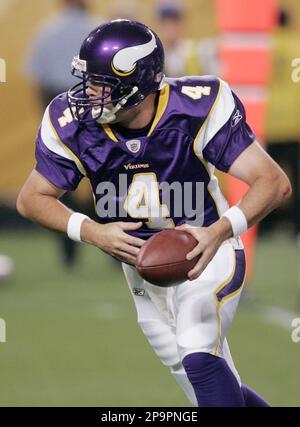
(153, 316)
(206, 306)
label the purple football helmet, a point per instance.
(123, 57)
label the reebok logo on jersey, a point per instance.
(236, 118)
(139, 292)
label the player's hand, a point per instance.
(113, 239)
(209, 242)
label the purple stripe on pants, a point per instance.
(238, 277)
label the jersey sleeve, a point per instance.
(54, 160)
(226, 133)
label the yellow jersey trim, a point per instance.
(161, 108)
(109, 132)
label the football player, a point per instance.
(126, 123)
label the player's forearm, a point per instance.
(45, 210)
(264, 195)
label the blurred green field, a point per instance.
(72, 337)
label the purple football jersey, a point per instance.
(162, 175)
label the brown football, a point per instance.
(162, 259)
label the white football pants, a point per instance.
(194, 316)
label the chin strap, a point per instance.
(162, 83)
(108, 115)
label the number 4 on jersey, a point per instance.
(67, 117)
(143, 202)
(196, 92)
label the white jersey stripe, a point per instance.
(215, 191)
(220, 114)
(52, 142)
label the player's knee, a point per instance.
(162, 340)
(156, 331)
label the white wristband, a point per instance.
(74, 226)
(237, 219)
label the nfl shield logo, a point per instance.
(133, 145)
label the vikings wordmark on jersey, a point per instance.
(199, 125)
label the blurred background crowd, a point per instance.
(38, 41)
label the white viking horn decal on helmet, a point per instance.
(124, 61)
